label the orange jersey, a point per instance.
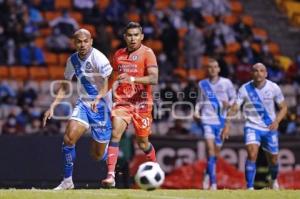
(134, 64)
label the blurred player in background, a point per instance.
(259, 97)
(136, 69)
(216, 95)
(92, 70)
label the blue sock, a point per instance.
(274, 171)
(250, 171)
(69, 155)
(211, 169)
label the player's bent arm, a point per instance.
(282, 111)
(102, 92)
(280, 115)
(60, 95)
(231, 112)
(151, 78)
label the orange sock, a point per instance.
(112, 157)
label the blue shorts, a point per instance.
(100, 122)
(213, 132)
(267, 139)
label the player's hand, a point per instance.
(48, 114)
(274, 126)
(124, 78)
(226, 105)
(94, 105)
(225, 132)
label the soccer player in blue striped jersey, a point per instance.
(216, 95)
(92, 110)
(258, 98)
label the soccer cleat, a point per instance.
(205, 182)
(274, 185)
(109, 182)
(65, 185)
(213, 187)
(250, 188)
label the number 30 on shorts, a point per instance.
(145, 122)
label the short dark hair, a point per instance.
(131, 25)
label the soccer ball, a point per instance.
(149, 176)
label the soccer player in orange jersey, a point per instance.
(136, 69)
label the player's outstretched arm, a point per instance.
(231, 112)
(280, 115)
(60, 95)
(102, 92)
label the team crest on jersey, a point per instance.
(210, 94)
(88, 67)
(268, 94)
(134, 57)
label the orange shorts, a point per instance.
(142, 120)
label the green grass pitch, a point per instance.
(140, 194)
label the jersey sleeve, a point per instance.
(103, 66)
(231, 93)
(241, 96)
(150, 59)
(200, 101)
(69, 70)
(201, 96)
(278, 96)
(114, 62)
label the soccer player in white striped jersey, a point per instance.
(258, 98)
(92, 70)
(216, 95)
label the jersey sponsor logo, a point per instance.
(253, 96)
(127, 68)
(106, 68)
(102, 123)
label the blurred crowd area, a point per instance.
(35, 38)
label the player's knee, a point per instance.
(68, 140)
(142, 145)
(252, 156)
(116, 137)
(97, 155)
(274, 160)
(211, 152)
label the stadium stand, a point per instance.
(225, 32)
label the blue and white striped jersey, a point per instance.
(90, 73)
(268, 95)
